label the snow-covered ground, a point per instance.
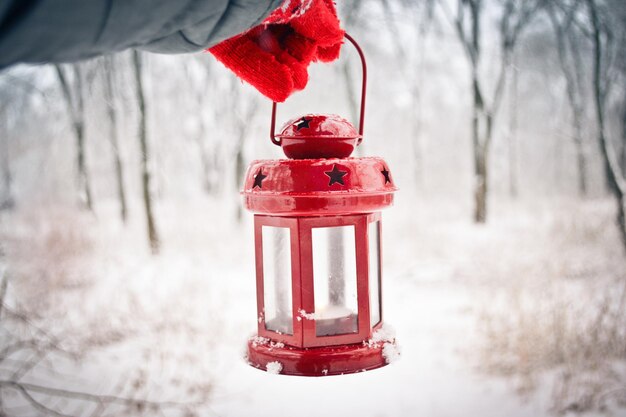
(173, 327)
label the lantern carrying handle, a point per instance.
(276, 141)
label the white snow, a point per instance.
(274, 367)
(386, 333)
(391, 352)
(308, 316)
(175, 318)
(278, 345)
(259, 341)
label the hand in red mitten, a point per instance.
(275, 55)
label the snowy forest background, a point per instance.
(126, 259)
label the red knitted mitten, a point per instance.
(274, 56)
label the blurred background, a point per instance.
(126, 259)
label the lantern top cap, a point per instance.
(318, 136)
(327, 125)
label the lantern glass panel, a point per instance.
(374, 272)
(277, 296)
(334, 276)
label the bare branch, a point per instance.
(28, 365)
(18, 346)
(67, 94)
(100, 408)
(32, 400)
(567, 9)
(94, 398)
(51, 341)
(457, 23)
(395, 33)
(500, 82)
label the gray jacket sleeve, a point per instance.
(38, 31)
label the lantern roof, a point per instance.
(308, 187)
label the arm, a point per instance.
(38, 31)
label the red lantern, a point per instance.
(317, 229)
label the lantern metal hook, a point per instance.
(276, 141)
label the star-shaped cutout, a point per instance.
(336, 176)
(386, 173)
(303, 123)
(258, 179)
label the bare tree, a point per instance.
(571, 64)
(242, 124)
(513, 129)
(467, 21)
(74, 101)
(15, 95)
(108, 68)
(606, 44)
(200, 91)
(146, 178)
(412, 70)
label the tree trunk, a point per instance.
(615, 179)
(480, 144)
(514, 18)
(417, 142)
(480, 153)
(480, 186)
(83, 176)
(242, 126)
(207, 166)
(146, 178)
(513, 127)
(571, 69)
(239, 173)
(624, 138)
(76, 111)
(109, 69)
(413, 78)
(581, 160)
(6, 199)
(577, 116)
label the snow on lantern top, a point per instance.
(316, 136)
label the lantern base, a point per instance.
(320, 361)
